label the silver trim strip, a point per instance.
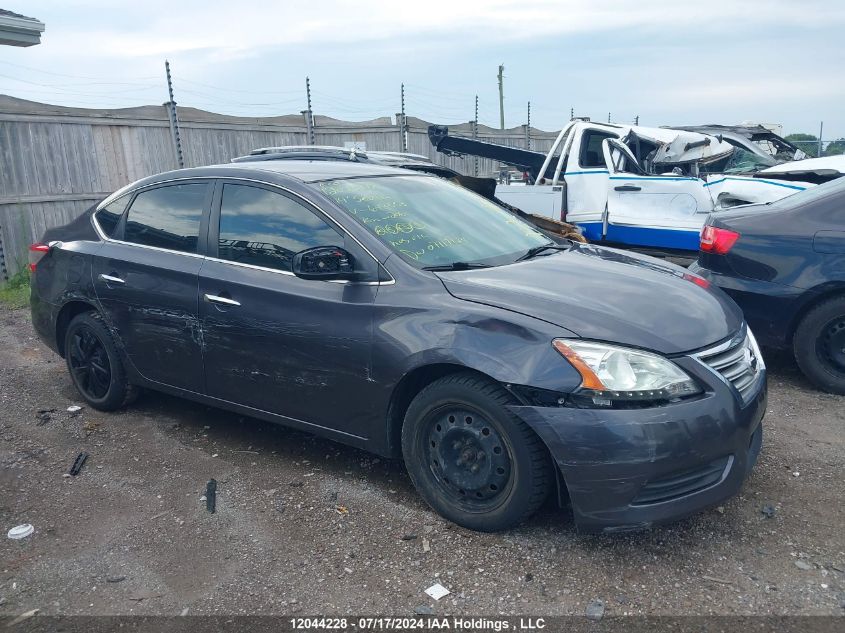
(334, 222)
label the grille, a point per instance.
(738, 363)
(683, 483)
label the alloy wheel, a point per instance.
(89, 363)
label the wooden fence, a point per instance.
(55, 161)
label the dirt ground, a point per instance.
(131, 533)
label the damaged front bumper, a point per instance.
(631, 469)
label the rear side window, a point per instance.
(264, 228)
(109, 215)
(167, 217)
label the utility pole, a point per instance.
(608, 117)
(501, 97)
(174, 119)
(821, 131)
(637, 120)
(475, 135)
(309, 116)
(528, 128)
(403, 130)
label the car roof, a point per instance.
(278, 172)
(317, 170)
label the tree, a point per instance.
(835, 148)
(808, 143)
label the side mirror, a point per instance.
(324, 263)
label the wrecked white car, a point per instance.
(627, 185)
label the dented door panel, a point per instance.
(153, 310)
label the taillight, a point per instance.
(716, 240)
(36, 252)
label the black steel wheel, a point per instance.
(819, 345)
(470, 458)
(95, 365)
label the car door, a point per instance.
(272, 341)
(586, 174)
(146, 275)
(651, 210)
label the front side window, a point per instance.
(109, 216)
(167, 217)
(265, 228)
(591, 150)
(432, 222)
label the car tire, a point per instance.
(96, 365)
(473, 461)
(819, 345)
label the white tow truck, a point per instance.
(627, 185)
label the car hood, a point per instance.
(608, 295)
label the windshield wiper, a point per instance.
(533, 252)
(456, 266)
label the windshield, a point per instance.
(432, 222)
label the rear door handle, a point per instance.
(627, 188)
(110, 279)
(221, 300)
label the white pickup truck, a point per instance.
(627, 185)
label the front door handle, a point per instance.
(627, 188)
(221, 300)
(110, 279)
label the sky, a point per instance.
(670, 63)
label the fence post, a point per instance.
(309, 115)
(475, 135)
(403, 125)
(174, 119)
(4, 273)
(528, 128)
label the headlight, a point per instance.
(617, 375)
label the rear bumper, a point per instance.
(633, 469)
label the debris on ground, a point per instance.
(114, 579)
(426, 545)
(437, 591)
(802, 564)
(595, 610)
(341, 510)
(211, 496)
(768, 510)
(44, 416)
(21, 531)
(23, 616)
(408, 537)
(74, 409)
(77, 464)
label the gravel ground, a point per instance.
(306, 526)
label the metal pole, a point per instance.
(403, 124)
(608, 117)
(571, 113)
(528, 129)
(475, 135)
(637, 120)
(501, 97)
(174, 118)
(821, 131)
(309, 115)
